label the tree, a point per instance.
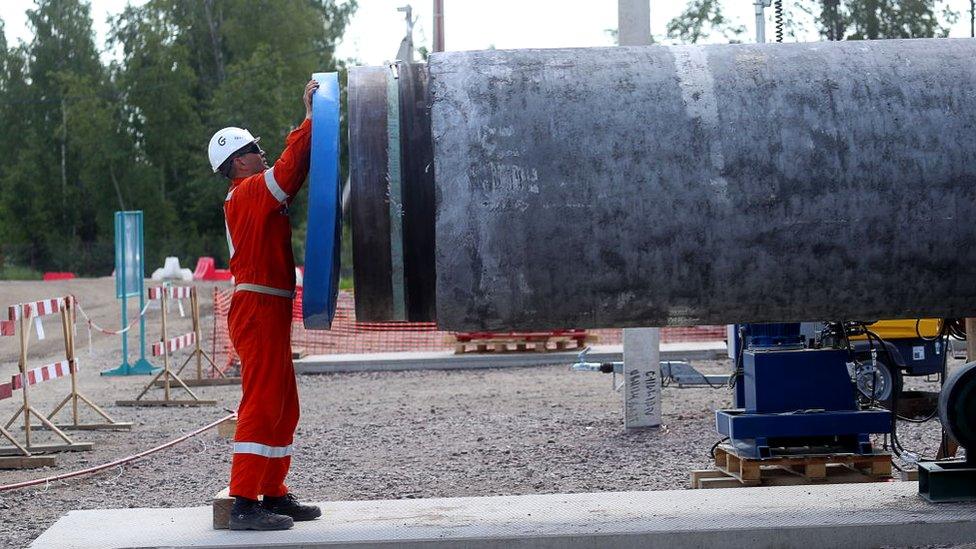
(190, 68)
(84, 139)
(47, 191)
(875, 19)
(701, 20)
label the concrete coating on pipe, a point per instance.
(652, 186)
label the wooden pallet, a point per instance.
(732, 470)
(27, 462)
(520, 344)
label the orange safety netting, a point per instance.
(349, 336)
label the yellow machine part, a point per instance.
(905, 329)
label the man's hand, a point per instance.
(307, 98)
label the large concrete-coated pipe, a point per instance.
(682, 185)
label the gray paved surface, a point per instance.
(851, 515)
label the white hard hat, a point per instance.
(226, 142)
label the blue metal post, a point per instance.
(141, 366)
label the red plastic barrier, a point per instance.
(206, 269)
(58, 276)
(6, 327)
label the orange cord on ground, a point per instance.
(117, 462)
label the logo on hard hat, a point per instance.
(222, 141)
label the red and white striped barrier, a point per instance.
(35, 308)
(7, 328)
(6, 390)
(172, 292)
(174, 344)
(42, 373)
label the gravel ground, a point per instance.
(381, 436)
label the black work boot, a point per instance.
(248, 514)
(288, 505)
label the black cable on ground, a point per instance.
(711, 452)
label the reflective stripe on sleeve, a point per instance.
(230, 243)
(262, 449)
(273, 187)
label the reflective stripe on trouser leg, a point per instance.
(260, 329)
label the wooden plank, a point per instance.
(27, 462)
(698, 474)
(117, 426)
(222, 504)
(881, 468)
(227, 429)
(205, 382)
(165, 402)
(720, 482)
(48, 448)
(815, 470)
(776, 475)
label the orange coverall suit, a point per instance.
(261, 260)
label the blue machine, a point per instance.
(793, 399)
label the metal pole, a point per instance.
(633, 22)
(166, 374)
(120, 266)
(142, 297)
(761, 6)
(438, 25)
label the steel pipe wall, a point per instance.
(651, 186)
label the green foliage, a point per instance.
(84, 139)
(700, 20)
(15, 272)
(874, 19)
(703, 20)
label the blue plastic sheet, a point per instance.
(324, 231)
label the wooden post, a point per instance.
(162, 305)
(26, 315)
(22, 365)
(195, 312)
(75, 397)
(166, 377)
(67, 321)
(218, 377)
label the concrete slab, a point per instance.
(447, 360)
(825, 516)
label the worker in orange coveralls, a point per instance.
(259, 239)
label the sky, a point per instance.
(377, 28)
